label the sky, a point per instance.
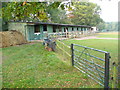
(109, 9)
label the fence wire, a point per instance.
(63, 51)
(93, 62)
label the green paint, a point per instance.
(49, 28)
(69, 29)
(75, 28)
(30, 32)
(41, 31)
(63, 29)
(57, 30)
(79, 28)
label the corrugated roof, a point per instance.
(37, 23)
(61, 24)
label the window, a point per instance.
(37, 29)
(77, 28)
(44, 27)
(81, 29)
(72, 29)
(60, 29)
(64, 30)
(54, 29)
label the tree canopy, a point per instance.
(28, 10)
(79, 13)
(86, 13)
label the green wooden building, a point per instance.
(38, 30)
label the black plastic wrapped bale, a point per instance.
(49, 44)
(52, 45)
(46, 41)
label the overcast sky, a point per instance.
(109, 9)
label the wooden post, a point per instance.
(114, 77)
(106, 79)
(72, 54)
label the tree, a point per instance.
(18, 11)
(83, 13)
(101, 26)
(86, 13)
(58, 16)
(111, 26)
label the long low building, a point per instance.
(38, 30)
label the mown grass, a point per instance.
(108, 35)
(110, 46)
(31, 66)
(105, 45)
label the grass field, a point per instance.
(108, 35)
(105, 45)
(31, 66)
(110, 46)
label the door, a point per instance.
(37, 35)
(30, 31)
(45, 33)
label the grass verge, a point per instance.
(31, 66)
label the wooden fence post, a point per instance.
(106, 79)
(114, 77)
(72, 54)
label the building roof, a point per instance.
(38, 23)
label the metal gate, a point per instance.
(93, 62)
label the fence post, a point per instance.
(114, 76)
(72, 56)
(106, 79)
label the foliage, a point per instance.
(82, 13)
(86, 13)
(58, 16)
(108, 26)
(101, 26)
(28, 10)
(111, 26)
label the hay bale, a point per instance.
(11, 38)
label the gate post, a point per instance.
(72, 56)
(106, 79)
(114, 76)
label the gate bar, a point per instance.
(91, 48)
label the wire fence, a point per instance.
(64, 52)
(93, 62)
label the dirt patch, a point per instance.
(11, 38)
